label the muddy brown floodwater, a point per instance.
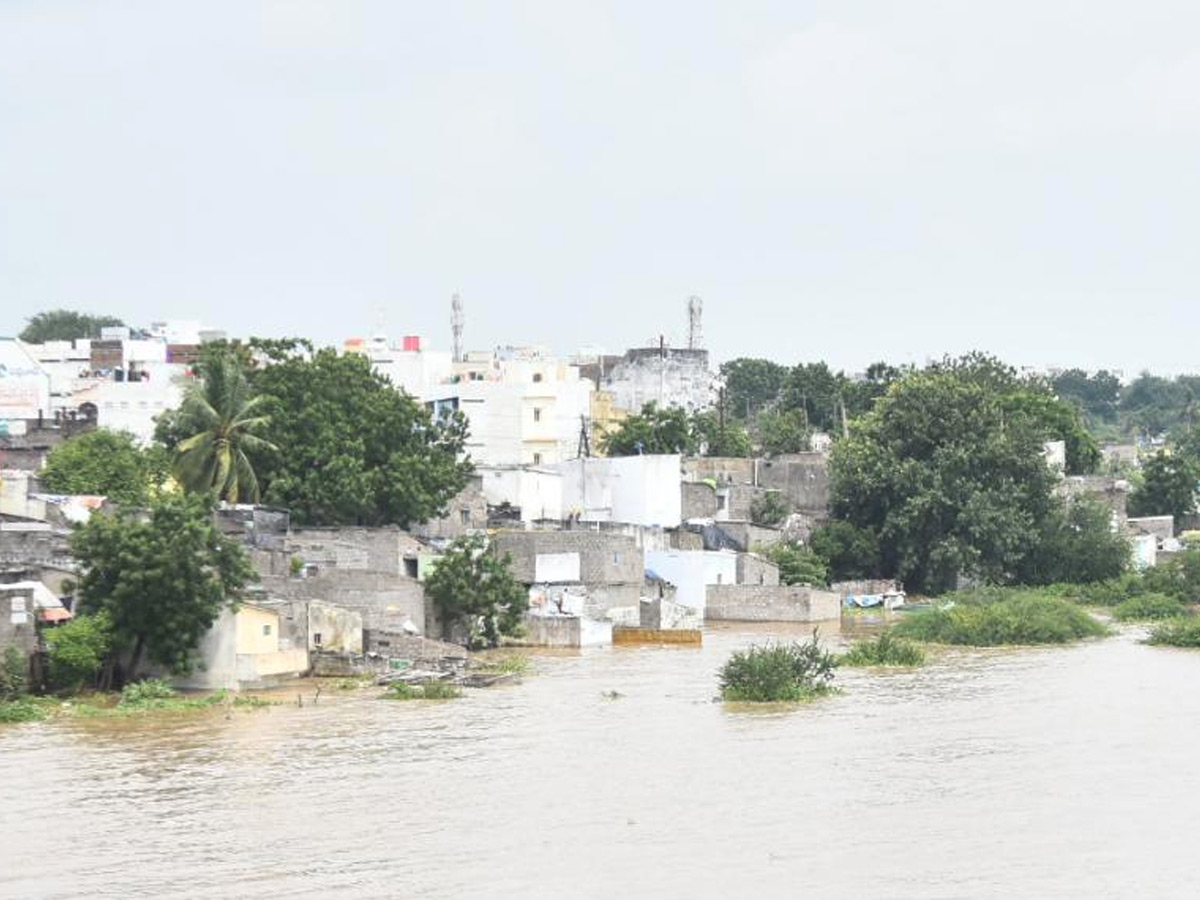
(1063, 772)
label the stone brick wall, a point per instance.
(802, 477)
(552, 631)
(699, 500)
(603, 558)
(753, 569)
(20, 634)
(466, 513)
(863, 586)
(723, 469)
(760, 603)
(363, 549)
(746, 536)
(384, 601)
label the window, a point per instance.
(266, 631)
(410, 567)
(464, 516)
(316, 639)
(537, 376)
(537, 459)
(720, 501)
(537, 414)
(720, 578)
(617, 558)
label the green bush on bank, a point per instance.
(992, 617)
(884, 650)
(1148, 607)
(777, 673)
(1177, 632)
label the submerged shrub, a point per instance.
(777, 673)
(1148, 607)
(14, 674)
(999, 616)
(433, 690)
(148, 693)
(1178, 632)
(885, 650)
(78, 649)
(25, 709)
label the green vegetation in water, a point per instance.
(778, 673)
(1178, 632)
(433, 690)
(1148, 607)
(25, 709)
(155, 695)
(885, 650)
(993, 617)
(503, 663)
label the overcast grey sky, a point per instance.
(840, 180)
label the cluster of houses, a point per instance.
(658, 542)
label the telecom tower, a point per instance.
(695, 330)
(456, 325)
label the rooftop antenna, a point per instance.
(456, 326)
(695, 329)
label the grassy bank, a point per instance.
(777, 673)
(885, 650)
(995, 617)
(142, 698)
(1148, 608)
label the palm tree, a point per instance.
(222, 409)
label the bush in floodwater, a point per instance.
(1178, 632)
(433, 690)
(885, 650)
(149, 693)
(24, 709)
(14, 674)
(777, 673)
(1148, 607)
(995, 617)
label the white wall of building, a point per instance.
(24, 384)
(536, 491)
(641, 490)
(692, 571)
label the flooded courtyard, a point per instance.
(1065, 772)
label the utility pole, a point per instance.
(721, 417)
(585, 444)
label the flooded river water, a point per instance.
(1065, 772)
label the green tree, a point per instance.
(474, 587)
(162, 579)
(1057, 420)
(1095, 393)
(1078, 545)
(715, 438)
(1153, 405)
(817, 392)
(860, 394)
(78, 650)
(652, 431)
(847, 550)
(224, 417)
(751, 385)
(783, 431)
(1168, 487)
(948, 473)
(65, 325)
(769, 508)
(105, 463)
(352, 449)
(797, 564)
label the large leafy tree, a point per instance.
(106, 463)
(653, 430)
(1168, 487)
(474, 587)
(783, 431)
(818, 392)
(1095, 393)
(162, 579)
(224, 419)
(65, 325)
(715, 437)
(751, 385)
(1078, 543)
(847, 550)
(351, 448)
(948, 474)
(1154, 405)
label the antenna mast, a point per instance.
(456, 326)
(695, 328)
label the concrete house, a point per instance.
(244, 650)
